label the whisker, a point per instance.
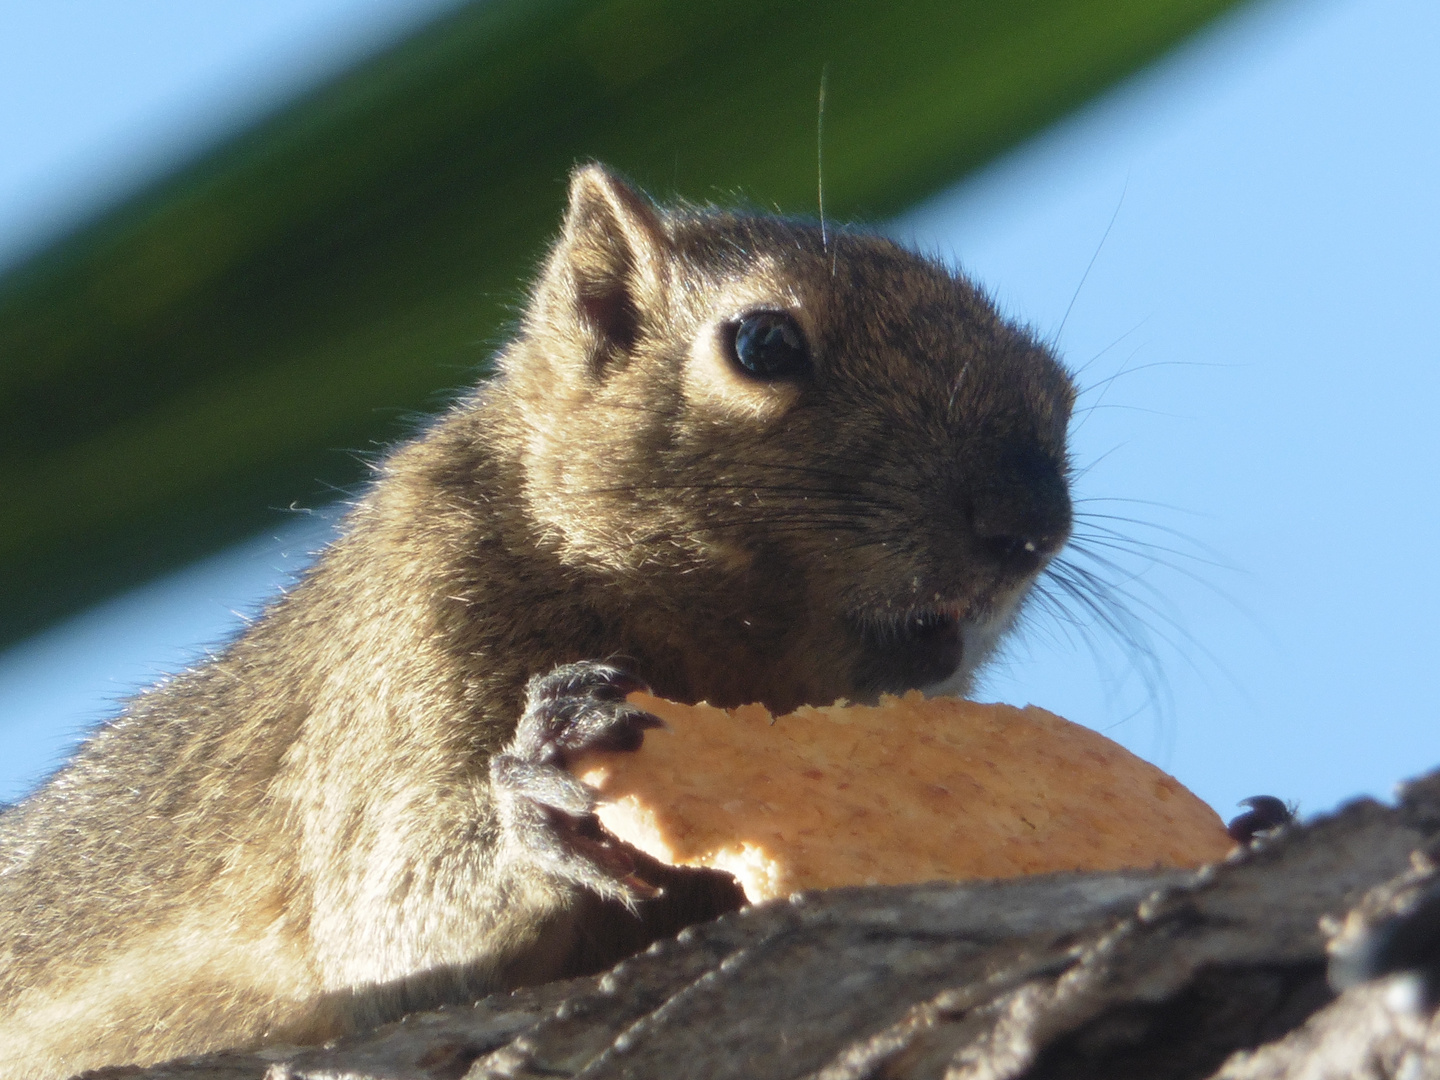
(1115, 541)
(742, 489)
(1176, 637)
(1105, 386)
(1091, 265)
(1088, 364)
(782, 528)
(1138, 368)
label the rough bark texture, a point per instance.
(1224, 974)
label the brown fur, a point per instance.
(299, 836)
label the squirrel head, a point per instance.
(833, 440)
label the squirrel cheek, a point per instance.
(714, 387)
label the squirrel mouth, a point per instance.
(921, 648)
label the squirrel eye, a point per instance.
(770, 345)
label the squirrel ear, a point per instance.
(610, 255)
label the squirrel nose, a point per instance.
(1022, 517)
(1016, 556)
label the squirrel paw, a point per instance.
(547, 812)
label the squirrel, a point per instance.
(732, 457)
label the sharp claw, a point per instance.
(642, 889)
(589, 839)
(623, 684)
(575, 708)
(604, 682)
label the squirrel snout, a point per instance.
(1022, 520)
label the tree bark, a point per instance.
(1315, 953)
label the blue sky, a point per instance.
(1246, 240)
(97, 95)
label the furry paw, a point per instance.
(546, 812)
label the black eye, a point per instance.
(769, 345)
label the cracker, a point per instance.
(910, 790)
